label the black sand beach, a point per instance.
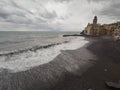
(106, 68)
(87, 68)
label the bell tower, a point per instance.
(94, 28)
(95, 21)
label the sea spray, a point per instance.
(31, 58)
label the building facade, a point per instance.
(93, 29)
(96, 29)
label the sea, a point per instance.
(23, 50)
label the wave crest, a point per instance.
(23, 60)
(33, 49)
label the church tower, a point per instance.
(95, 22)
(94, 27)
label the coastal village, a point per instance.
(96, 29)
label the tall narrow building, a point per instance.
(94, 27)
(95, 22)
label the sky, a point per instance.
(55, 15)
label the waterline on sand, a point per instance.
(30, 59)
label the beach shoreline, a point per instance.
(105, 69)
(87, 68)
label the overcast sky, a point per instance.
(56, 15)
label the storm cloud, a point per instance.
(64, 15)
(111, 9)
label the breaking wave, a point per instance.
(22, 60)
(33, 49)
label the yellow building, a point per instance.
(95, 29)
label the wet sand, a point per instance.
(86, 68)
(106, 68)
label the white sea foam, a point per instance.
(30, 59)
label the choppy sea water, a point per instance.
(21, 51)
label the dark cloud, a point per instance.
(5, 13)
(13, 16)
(112, 10)
(16, 14)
